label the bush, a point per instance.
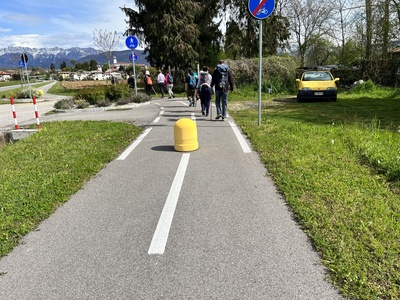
(24, 93)
(140, 98)
(64, 104)
(123, 101)
(278, 71)
(103, 103)
(81, 103)
(365, 87)
(117, 91)
(91, 95)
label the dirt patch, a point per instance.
(78, 85)
(254, 104)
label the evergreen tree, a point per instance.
(167, 29)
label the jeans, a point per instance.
(205, 99)
(221, 97)
(170, 92)
(161, 86)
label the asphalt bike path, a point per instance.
(160, 224)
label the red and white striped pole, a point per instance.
(36, 112)
(14, 113)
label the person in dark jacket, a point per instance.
(222, 81)
(131, 81)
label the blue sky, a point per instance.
(61, 23)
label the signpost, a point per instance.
(132, 42)
(260, 9)
(24, 63)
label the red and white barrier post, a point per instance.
(36, 112)
(14, 113)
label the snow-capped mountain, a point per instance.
(42, 57)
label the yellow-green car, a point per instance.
(316, 85)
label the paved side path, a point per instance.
(161, 224)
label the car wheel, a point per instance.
(299, 99)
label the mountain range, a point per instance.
(44, 57)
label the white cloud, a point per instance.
(5, 29)
(27, 40)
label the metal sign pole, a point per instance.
(134, 71)
(260, 9)
(259, 71)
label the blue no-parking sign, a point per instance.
(261, 9)
(131, 42)
(133, 56)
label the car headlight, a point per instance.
(331, 88)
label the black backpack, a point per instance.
(222, 76)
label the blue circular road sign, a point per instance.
(131, 42)
(21, 64)
(133, 56)
(261, 9)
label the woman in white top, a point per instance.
(161, 82)
(205, 90)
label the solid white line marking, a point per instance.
(239, 136)
(134, 144)
(161, 233)
(156, 120)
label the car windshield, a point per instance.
(317, 76)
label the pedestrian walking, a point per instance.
(190, 87)
(161, 82)
(204, 90)
(169, 81)
(222, 80)
(131, 81)
(148, 82)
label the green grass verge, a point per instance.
(338, 167)
(40, 172)
(5, 95)
(58, 89)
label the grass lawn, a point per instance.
(5, 95)
(39, 173)
(338, 166)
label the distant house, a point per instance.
(96, 75)
(64, 75)
(78, 76)
(4, 76)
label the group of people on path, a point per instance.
(201, 86)
(220, 82)
(165, 80)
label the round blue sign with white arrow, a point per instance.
(21, 64)
(132, 42)
(261, 9)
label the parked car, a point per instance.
(316, 84)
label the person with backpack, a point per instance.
(222, 81)
(148, 82)
(190, 87)
(205, 90)
(169, 81)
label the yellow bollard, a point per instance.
(185, 134)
